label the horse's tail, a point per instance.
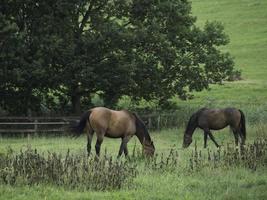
(78, 128)
(242, 125)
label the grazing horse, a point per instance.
(215, 119)
(114, 124)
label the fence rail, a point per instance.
(153, 121)
(59, 125)
(34, 125)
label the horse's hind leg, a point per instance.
(212, 137)
(126, 152)
(89, 141)
(241, 136)
(90, 133)
(235, 132)
(98, 146)
(99, 141)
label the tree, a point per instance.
(19, 64)
(141, 48)
(176, 56)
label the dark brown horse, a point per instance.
(215, 119)
(114, 124)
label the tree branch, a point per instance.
(88, 13)
(85, 18)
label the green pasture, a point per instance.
(208, 183)
(245, 22)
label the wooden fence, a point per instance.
(155, 121)
(34, 125)
(59, 125)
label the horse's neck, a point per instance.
(141, 137)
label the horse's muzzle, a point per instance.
(149, 151)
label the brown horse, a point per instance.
(215, 119)
(114, 124)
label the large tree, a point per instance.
(142, 48)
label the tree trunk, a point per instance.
(76, 100)
(76, 104)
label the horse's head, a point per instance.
(187, 140)
(148, 148)
(144, 137)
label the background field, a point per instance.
(245, 22)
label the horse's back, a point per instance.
(99, 118)
(219, 118)
(113, 123)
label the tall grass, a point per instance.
(30, 167)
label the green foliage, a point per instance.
(72, 49)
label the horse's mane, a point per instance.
(191, 122)
(193, 119)
(141, 126)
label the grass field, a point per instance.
(245, 22)
(208, 183)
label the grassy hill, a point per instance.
(245, 22)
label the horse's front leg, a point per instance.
(212, 137)
(123, 146)
(205, 139)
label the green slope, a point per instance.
(245, 22)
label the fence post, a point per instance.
(35, 127)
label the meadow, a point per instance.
(180, 176)
(245, 23)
